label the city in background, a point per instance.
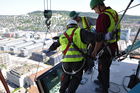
(23, 38)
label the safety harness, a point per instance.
(107, 44)
(70, 42)
(86, 22)
(116, 20)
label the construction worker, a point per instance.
(105, 23)
(73, 59)
(83, 21)
(87, 23)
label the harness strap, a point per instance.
(116, 20)
(69, 40)
(114, 17)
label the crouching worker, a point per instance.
(73, 43)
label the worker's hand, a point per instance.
(94, 55)
(46, 51)
(108, 36)
(55, 38)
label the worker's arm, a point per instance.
(54, 46)
(91, 21)
(55, 37)
(90, 37)
(97, 47)
(102, 24)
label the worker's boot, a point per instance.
(89, 71)
(97, 82)
(101, 90)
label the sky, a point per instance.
(17, 7)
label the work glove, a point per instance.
(46, 51)
(93, 30)
(108, 36)
(100, 37)
(55, 38)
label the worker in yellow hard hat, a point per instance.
(105, 23)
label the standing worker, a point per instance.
(73, 59)
(105, 23)
(87, 23)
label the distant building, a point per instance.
(3, 30)
(2, 90)
(19, 75)
(4, 60)
(8, 35)
(55, 58)
(31, 78)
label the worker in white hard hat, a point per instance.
(73, 43)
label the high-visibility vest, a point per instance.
(86, 25)
(113, 20)
(72, 55)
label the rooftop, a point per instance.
(118, 80)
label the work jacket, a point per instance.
(114, 18)
(72, 54)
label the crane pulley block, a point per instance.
(48, 14)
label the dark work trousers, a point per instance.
(104, 64)
(71, 82)
(89, 61)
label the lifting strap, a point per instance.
(69, 40)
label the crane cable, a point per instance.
(135, 36)
(132, 44)
(47, 15)
(130, 7)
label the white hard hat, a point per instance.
(71, 22)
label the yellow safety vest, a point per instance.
(86, 25)
(113, 20)
(72, 55)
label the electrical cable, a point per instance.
(123, 83)
(133, 43)
(119, 22)
(117, 86)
